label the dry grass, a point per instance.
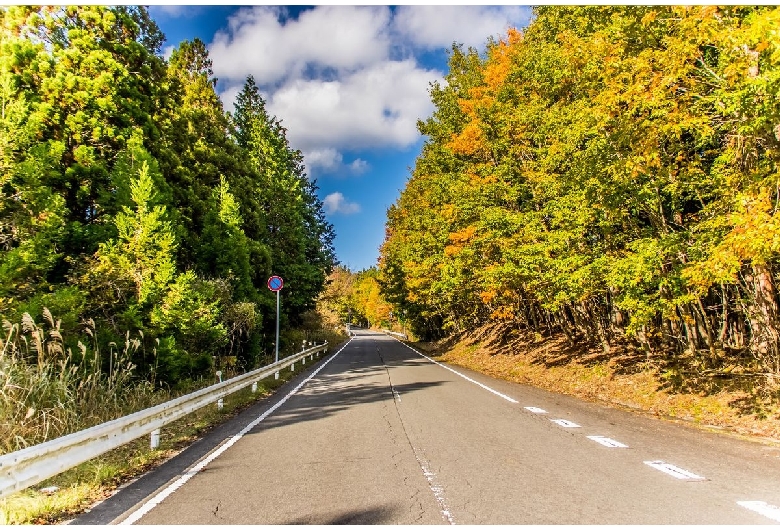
(623, 378)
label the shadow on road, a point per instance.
(336, 393)
(383, 514)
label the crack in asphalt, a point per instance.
(436, 488)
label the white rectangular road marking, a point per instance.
(767, 510)
(536, 410)
(674, 471)
(608, 442)
(565, 423)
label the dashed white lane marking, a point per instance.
(767, 510)
(157, 499)
(608, 442)
(436, 488)
(470, 380)
(536, 410)
(565, 423)
(674, 471)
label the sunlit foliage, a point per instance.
(610, 173)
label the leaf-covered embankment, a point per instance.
(732, 402)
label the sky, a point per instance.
(348, 83)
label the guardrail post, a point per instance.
(154, 439)
(254, 387)
(220, 403)
(292, 367)
(276, 375)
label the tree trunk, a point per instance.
(689, 323)
(763, 315)
(705, 327)
(724, 317)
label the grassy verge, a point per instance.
(623, 379)
(81, 487)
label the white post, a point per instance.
(220, 404)
(254, 387)
(292, 367)
(276, 376)
(154, 441)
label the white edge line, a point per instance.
(496, 392)
(767, 510)
(161, 496)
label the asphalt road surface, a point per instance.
(379, 434)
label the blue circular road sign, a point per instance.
(275, 283)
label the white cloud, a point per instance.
(329, 160)
(167, 51)
(359, 166)
(336, 203)
(173, 10)
(340, 38)
(377, 106)
(343, 78)
(439, 26)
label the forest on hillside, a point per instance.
(609, 174)
(139, 221)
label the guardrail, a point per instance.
(401, 335)
(31, 465)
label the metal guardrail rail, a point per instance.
(401, 335)
(31, 465)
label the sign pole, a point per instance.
(277, 326)
(275, 283)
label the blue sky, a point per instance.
(348, 82)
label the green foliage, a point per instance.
(129, 202)
(287, 216)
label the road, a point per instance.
(380, 434)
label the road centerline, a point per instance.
(430, 476)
